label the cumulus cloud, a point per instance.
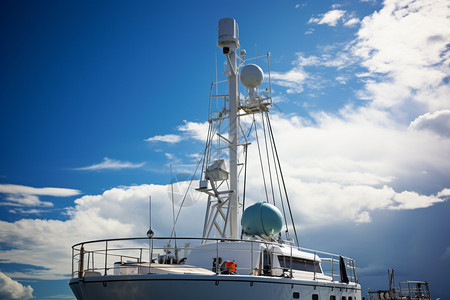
(339, 170)
(338, 167)
(404, 46)
(111, 164)
(11, 289)
(437, 122)
(357, 162)
(374, 148)
(197, 131)
(330, 18)
(412, 200)
(118, 212)
(26, 196)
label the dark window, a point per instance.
(344, 298)
(315, 297)
(332, 297)
(296, 295)
(350, 298)
(299, 264)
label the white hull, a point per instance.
(217, 287)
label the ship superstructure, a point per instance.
(246, 249)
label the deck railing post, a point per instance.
(151, 253)
(251, 258)
(332, 268)
(81, 266)
(217, 258)
(314, 265)
(106, 256)
(291, 263)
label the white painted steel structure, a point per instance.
(224, 262)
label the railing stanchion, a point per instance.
(314, 265)
(332, 268)
(251, 259)
(106, 256)
(81, 266)
(151, 253)
(217, 257)
(89, 259)
(291, 262)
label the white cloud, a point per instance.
(46, 191)
(24, 200)
(338, 167)
(339, 170)
(341, 79)
(348, 165)
(445, 193)
(293, 79)
(351, 22)
(27, 211)
(168, 138)
(405, 48)
(304, 61)
(112, 164)
(363, 217)
(118, 212)
(330, 18)
(170, 156)
(296, 79)
(189, 130)
(372, 156)
(412, 200)
(437, 122)
(197, 131)
(27, 196)
(11, 289)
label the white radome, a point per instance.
(251, 76)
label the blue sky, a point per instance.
(99, 97)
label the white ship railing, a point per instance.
(106, 257)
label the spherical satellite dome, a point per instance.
(262, 219)
(251, 76)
